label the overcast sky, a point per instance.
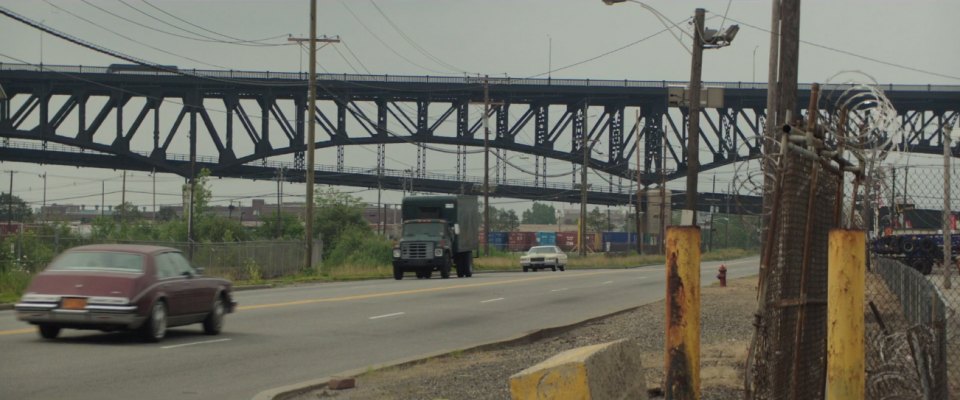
(914, 40)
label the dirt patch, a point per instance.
(726, 330)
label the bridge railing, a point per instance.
(454, 80)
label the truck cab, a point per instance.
(424, 245)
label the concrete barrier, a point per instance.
(606, 371)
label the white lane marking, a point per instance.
(388, 315)
(195, 343)
(558, 290)
(607, 283)
(492, 300)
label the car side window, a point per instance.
(182, 264)
(166, 267)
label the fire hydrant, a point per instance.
(722, 276)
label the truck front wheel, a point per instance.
(445, 268)
(397, 273)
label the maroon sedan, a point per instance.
(119, 287)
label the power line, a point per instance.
(235, 39)
(131, 39)
(392, 50)
(202, 38)
(413, 42)
(852, 54)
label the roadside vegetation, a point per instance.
(272, 253)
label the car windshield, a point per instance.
(541, 250)
(433, 229)
(98, 261)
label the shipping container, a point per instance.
(546, 238)
(567, 241)
(615, 237)
(498, 240)
(522, 241)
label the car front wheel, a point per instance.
(213, 324)
(49, 331)
(155, 328)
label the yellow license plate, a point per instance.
(73, 303)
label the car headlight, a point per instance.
(396, 253)
(438, 252)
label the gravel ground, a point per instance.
(726, 325)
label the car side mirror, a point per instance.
(187, 274)
(199, 270)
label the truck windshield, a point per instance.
(432, 229)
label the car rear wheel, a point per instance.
(155, 328)
(562, 268)
(49, 331)
(213, 324)
(525, 269)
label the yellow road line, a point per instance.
(18, 331)
(413, 291)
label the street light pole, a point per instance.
(693, 120)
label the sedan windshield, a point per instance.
(541, 250)
(98, 261)
(432, 229)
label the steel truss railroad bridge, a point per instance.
(80, 116)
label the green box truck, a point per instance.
(439, 234)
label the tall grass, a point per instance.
(12, 284)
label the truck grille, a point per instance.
(416, 251)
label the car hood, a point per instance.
(85, 284)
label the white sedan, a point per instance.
(543, 257)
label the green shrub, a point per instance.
(358, 247)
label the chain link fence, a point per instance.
(250, 260)
(913, 330)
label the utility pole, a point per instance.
(693, 120)
(583, 182)
(279, 200)
(663, 193)
(636, 215)
(789, 60)
(123, 198)
(154, 175)
(486, 166)
(947, 228)
(103, 186)
(311, 138)
(10, 203)
(43, 207)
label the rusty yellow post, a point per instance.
(846, 263)
(683, 313)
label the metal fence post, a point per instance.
(846, 368)
(683, 313)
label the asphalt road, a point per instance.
(288, 335)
